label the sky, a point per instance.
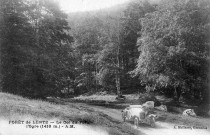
(87, 5)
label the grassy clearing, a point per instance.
(168, 117)
(14, 107)
(110, 98)
(130, 98)
(179, 119)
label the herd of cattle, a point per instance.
(143, 113)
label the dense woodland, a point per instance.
(135, 47)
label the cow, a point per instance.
(162, 108)
(189, 112)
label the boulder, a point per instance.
(189, 112)
(148, 97)
(162, 108)
(149, 104)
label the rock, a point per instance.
(148, 97)
(162, 108)
(189, 112)
(149, 104)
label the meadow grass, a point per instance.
(15, 107)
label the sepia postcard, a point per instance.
(104, 67)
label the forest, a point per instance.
(140, 46)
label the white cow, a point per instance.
(189, 112)
(162, 108)
(149, 104)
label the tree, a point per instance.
(134, 11)
(15, 34)
(87, 34)
(108, 43)
(109, 58)
(174, 47)
(36, 54)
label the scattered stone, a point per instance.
(189, 112)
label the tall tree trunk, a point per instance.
(89, 77)
(205, 93)
(118, 73)
(96, 77)
(118, 83)
(177, 93)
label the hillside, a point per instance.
(96, 119)
(14, 108)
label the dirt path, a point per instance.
(160, 129)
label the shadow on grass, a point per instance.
(112, 106)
